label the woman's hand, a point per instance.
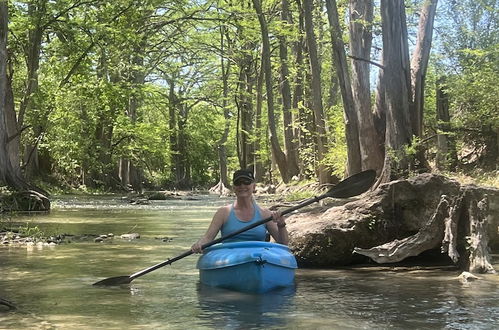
(197, 247)
(278, 219)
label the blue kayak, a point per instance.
(248, 266)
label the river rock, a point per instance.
(130, 236)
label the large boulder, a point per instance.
(412, 215)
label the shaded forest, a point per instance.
(138, 94)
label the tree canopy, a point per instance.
(175, 94)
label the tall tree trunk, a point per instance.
(289, 138)
(397, 88)
(316, 89)
(259, 136)
(277, 152)
(183, 173)
(361, 18)
(446, 146)
(173, 129)
(8, 176)
(379, 110)
(419, 64)
(221, 144)
(247, 114)
(137, 78)
(13, 132)
(37, 11)
(298, 93)
(351, 117)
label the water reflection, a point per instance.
(221, 308)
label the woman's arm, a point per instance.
(277, 227)
(217, 222)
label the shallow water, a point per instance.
(52, 286)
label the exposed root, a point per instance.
(427, 238)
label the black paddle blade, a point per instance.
(353, 185)
(118, 280)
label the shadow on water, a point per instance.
(221, 308)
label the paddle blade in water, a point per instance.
(118, 280)
(353, 185)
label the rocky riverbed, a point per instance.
(13, 238)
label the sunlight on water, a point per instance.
(52, 286)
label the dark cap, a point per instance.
(243, 174)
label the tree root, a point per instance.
(427, 238)
(220, 189)
(459, 228)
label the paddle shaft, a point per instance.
(220, 239)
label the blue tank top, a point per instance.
(233, 224)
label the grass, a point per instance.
(477, 177)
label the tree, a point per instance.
(289, 138)
(371, 143)
(396, 81)
(324, 175)
(8, 175)
(468, 47)
(351, 112)
(277, 152)
(419, 64)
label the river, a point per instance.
(52, 285)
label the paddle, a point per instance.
(351, 186)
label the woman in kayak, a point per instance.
(243, 212)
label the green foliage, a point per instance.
(124, 80)
(469, 55)
(336, 158)
(298, 195)
(28, 230)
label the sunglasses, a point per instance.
(241, 182)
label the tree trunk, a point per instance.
(361, 19)
(13, 132)
(173, 128)
(37, 12)
(419, 64)
(446, 153)
(259, 136)
(397, 88)
(247, 149)
(221, 144)
(354, 164)
(8, 176)
(289, 138)
(298, 93)
(137, 79)
(320, 125)
(379, 111)
(183, 173)
(277, 152)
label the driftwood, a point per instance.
(402, 219)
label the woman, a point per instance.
(243, 212)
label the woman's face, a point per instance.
(243, 187)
